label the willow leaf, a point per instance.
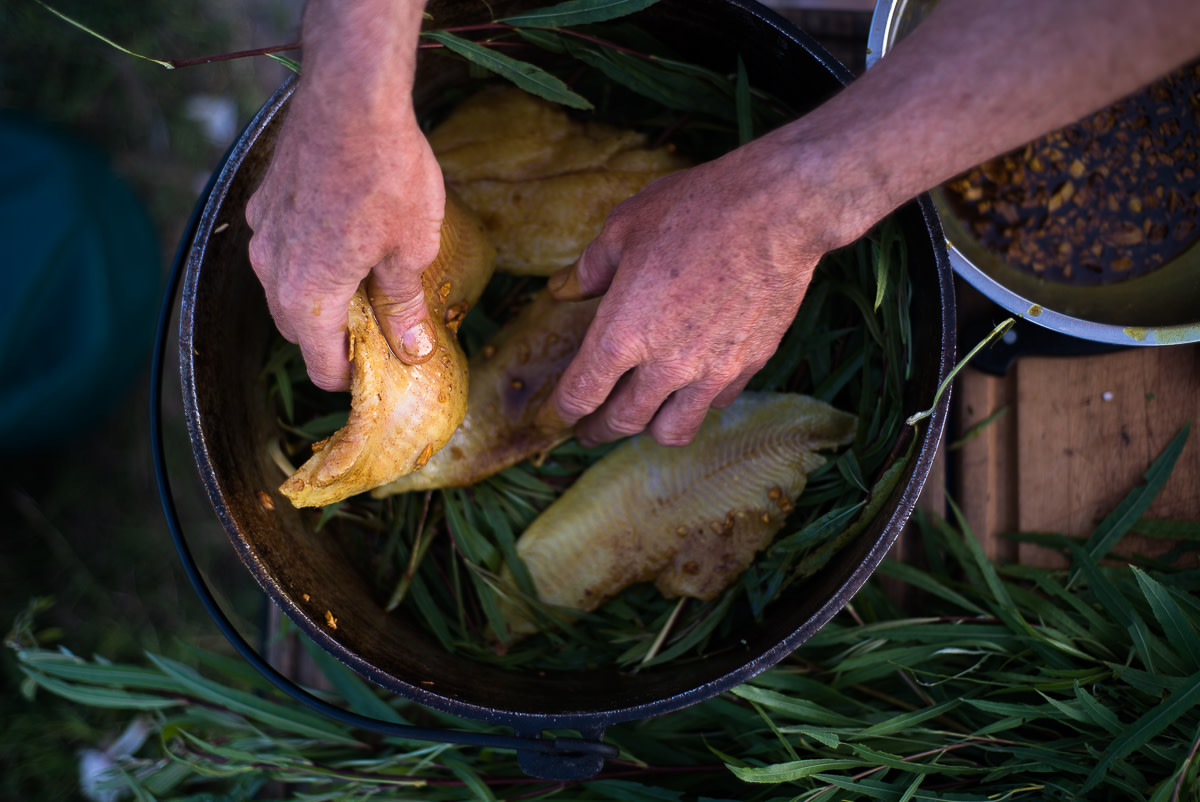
(1180, 633)
(1133, 506)
(359, 696)
(652, 80)
(527, 76)
(1098, 713)
(879, 758)
(793, 770)
(1170, 530)
(906, 721)
(95, 696)
(578, 12)
(1150, 724)
(168, 65)
(800, 709)
(929, 583)
(72, 669)
(270, 713)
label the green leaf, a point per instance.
(578, 12)
(1180, 632)
(255, 707)
(991, 337)
(1133, 506)
(527, 76)
(360, 697)
(103, 38)
(793, 770)
(95, 696)
(799, 709)
(1148, 725)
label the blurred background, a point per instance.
(102, 158)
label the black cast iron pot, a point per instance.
(225, 328)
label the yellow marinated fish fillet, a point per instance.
(510, 379)
(541, 181)
(400, 414)
(689, 519)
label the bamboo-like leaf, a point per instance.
(1133, 506)
(991, 337)
(819, 530)
(799, 709)
(527, 76)
(792, 770)
(359, 696)
(286, 61)
(578, 12)
(168, 65)
(1097, 712)
(267, 712)
(1180, 633)
(930, 584)
(1148, 725)
(97, 696)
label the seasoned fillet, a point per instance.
(510, 379)
(689, 519)
(541, 181)
(401, 414)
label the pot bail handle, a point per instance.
(544, 758)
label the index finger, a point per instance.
(604, 357)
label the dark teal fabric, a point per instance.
(80, 278)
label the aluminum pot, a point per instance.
(225, 329)
(1161, 307)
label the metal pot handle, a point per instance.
(544, 758)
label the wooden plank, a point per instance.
(985, 462)
(1087, 430)
(1079, 436)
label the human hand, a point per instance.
(702, 273)
(349, 192)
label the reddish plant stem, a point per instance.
(258, 51)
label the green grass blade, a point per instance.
(1150, 724)
(531, 78)
(1133, 506)
(578, 12)
(168, 65)
(360, 697)
(793, 770)
(1179, 630)
(270, 713)
(95, 696)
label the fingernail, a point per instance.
(418, 343)
(564, 283)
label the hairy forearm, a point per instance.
(361, 54)
(976, 79)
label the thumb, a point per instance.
(590, 276)
(398, 298)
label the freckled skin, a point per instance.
(400, 414)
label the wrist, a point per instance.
(359, 58)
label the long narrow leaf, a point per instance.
(578, 12)
(1146, 727)
(1133, 506)
(527, 76)
(263, 710)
